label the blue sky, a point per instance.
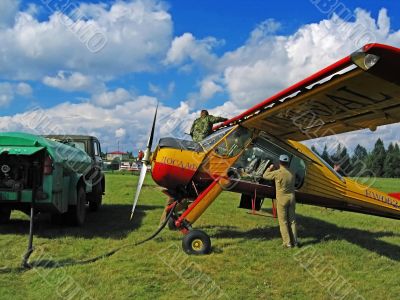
(222, 55)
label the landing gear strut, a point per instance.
(197, 241)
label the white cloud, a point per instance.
(23, 89)
(228, 110)
(265, 29)
(178, 123)
(73, 82)
(138, 35)
(6, 94)
(187, 48)
(162, 92)
(112, 98)
(268, 63)
(129, 122)
(8, 11)
(120, 133)
(209, 88)
(33, 9)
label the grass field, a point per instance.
(345, 255)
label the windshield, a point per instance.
(234, 142)
(210, 141)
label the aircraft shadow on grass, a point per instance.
(318, 231)
(111, 221)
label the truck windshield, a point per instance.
(79, 145)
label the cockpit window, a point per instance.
(234, 143)
(212, 139)
(329, 167)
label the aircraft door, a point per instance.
(259, 156)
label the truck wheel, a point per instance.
(77, 213)
(5, 214)
(196, 242)
(96, 198)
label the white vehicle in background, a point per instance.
(125, 165)
(135, 167)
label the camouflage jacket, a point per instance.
(202, 127)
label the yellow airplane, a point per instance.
(359, 91)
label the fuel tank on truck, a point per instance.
(64, 155)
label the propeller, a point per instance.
(145, 163)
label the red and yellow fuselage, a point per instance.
(189, 172)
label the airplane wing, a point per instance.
(359, 91)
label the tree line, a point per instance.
(379, 162)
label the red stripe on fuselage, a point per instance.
(170, 176)
(395, 195)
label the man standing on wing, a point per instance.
(285, 198)
(202, 127)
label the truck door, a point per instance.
(97, 154)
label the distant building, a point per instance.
(117, 154)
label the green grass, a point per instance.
(247, 261)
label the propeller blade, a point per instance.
(145, 161)
(139, 187)
(151, 137)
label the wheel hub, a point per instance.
(5, 169)
(197, 244)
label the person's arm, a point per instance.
(192, 128)
(269, 174)
(214, 119)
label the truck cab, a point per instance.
(92, 147)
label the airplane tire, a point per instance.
(196, 242)
(5, 215)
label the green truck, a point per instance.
(58, 174)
